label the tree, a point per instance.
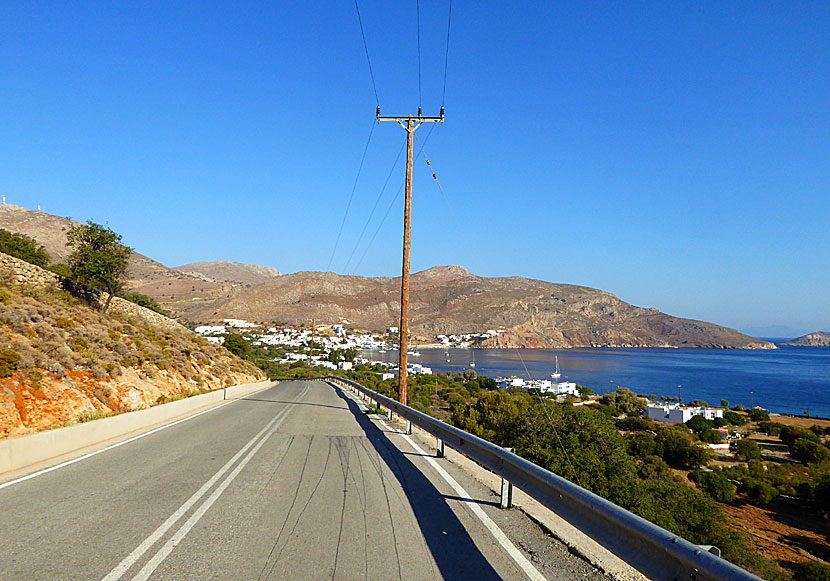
(746, 450)
(758, 415)
(98, 260)
(23, 247)
(714, 484)
(724, 403)
(237, 345)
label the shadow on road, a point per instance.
(451, 546)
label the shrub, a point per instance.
(746, 450)
(714, 484)
(733, 418)
(758, 415)
(9, 362)
(23, 247)
(35, 376)
(809, 452)
(811, 571)
(144, 301)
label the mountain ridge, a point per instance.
(444, 300)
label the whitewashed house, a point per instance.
(675, 414)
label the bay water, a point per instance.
(791, 380)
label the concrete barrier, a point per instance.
(33, 449)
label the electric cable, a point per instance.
(418, 15)
(366, 49)
(446, 55)
(374, 207)
(351, 197)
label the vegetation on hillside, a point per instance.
(23, 247)
(48, 335)
(98, 260)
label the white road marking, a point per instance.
(168, 547)
(145, 545)
(499, 535)
(102, 450)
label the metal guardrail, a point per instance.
(656, 552)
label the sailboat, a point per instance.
(473, 364)
(556, 375)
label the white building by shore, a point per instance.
(676, 414)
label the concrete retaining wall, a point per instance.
(25, 451)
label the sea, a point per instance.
(788, 380)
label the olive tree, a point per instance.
(98, 260)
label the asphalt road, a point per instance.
(294, 482)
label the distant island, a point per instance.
(817, 339)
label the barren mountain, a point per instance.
(51, 230)
(230, 272)
(817, 339)
(451, 300)
(445, 300)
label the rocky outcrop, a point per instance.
(817, 339)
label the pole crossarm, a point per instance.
(417, 120)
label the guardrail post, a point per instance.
(408, 427)
(389, 415)
(506, 490)
(439, 448)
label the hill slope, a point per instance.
(64, 361)
(451, 300)
(230, 272)
(817, 339)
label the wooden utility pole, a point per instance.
(409, 123)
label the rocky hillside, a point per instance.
(62, 361)
(230, 272)
(451, 300)
(817, 339)
(444, 300)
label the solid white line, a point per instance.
(102, 450)
(508, 546)
(139, 551)
(168, 547)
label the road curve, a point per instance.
(294, 482)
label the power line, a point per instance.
(366, 49)
(446, 55)
(389, 209)
(418, 11)
(449, 206)
(351, 197)
(372, 213)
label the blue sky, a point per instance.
(675, 155)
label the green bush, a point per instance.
(758, 415)
(746, 450)
(714, 484)
(811, 571)
(9, 362)
(23, 247)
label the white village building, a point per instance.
(676, 414)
